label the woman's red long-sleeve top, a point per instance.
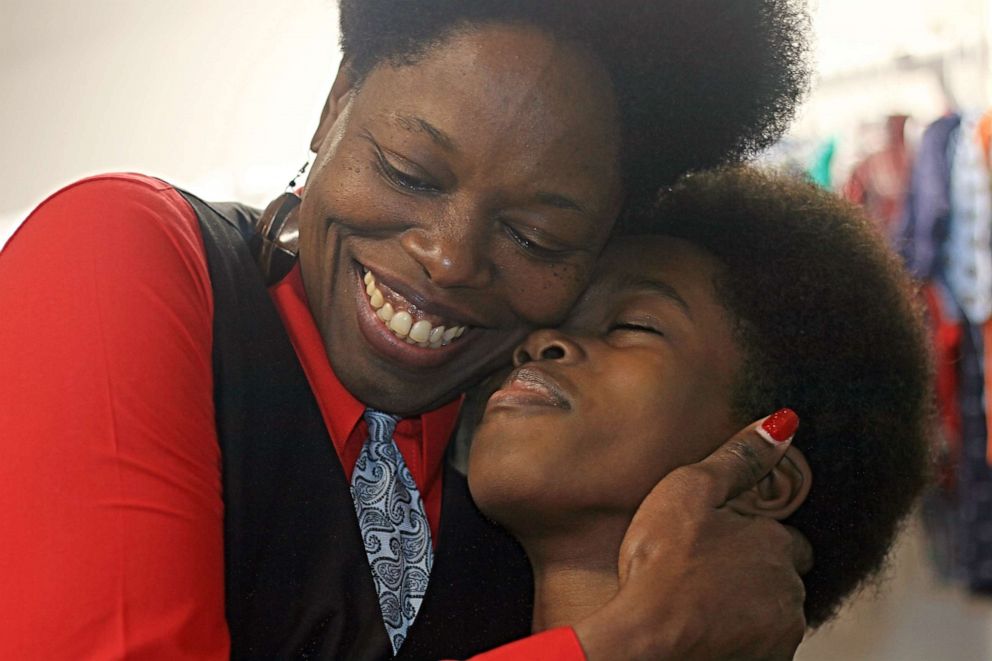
(111, 511)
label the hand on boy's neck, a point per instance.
(675, 560)
(575, 564)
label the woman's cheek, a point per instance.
(545, 295)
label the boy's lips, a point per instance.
(529, 385)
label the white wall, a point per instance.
(217, 95)
(221, 95)
(859, 33)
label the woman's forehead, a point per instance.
(508, 79)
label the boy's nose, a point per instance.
(547, 344)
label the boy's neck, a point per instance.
(574, 574)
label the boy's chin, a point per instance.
(504, 484)
(495, 496)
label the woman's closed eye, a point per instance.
(533, 246)
(405, 175)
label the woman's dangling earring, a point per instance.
(275, 243)
(299, 179)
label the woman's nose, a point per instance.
(452, 254)
(548, 344)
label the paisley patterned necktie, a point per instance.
(394, 527)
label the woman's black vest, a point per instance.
(298, 584)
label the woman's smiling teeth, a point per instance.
(404, 324)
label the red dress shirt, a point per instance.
(421, 440)
(111, 513)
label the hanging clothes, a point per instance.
(974, 478)
(968, 249)
(946, 239)
(921, 242)
(927, 212)
(822, 164)
(985, 136)
(967, 256)
(945, 334)
(879, 183)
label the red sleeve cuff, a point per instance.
(553, 645)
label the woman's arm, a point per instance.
(110, 493)
(701, 579)
(687, 559)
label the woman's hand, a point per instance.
(698, 580)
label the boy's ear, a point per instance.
(781, 492)
(337, 98)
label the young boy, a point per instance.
(752, 293)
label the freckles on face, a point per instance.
(467, 191)
(544, 297)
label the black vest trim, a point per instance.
(298, 583)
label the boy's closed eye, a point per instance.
(635, 327)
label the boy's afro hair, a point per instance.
(830, 326)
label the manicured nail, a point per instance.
(779, 427)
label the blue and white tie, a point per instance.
(394, 527)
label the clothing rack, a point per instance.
(937, 63)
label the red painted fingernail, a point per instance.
(779, 427)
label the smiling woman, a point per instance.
(472, 160)
(436, 221)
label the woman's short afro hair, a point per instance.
(829, 325)
(698, 82)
